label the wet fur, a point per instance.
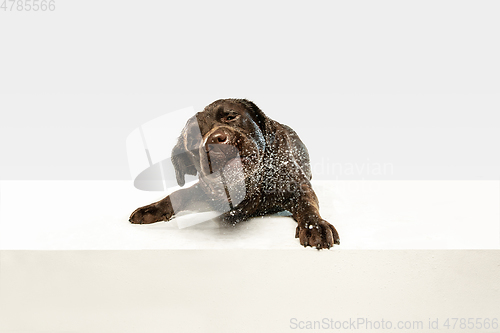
(277, 176)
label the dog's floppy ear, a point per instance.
(181, 160)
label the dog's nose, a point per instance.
(218, 137)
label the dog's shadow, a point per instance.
(208, 220)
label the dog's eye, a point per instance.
(231, 117)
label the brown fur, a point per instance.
(276, 173)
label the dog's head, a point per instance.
(228, 134)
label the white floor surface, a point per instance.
(83, 215)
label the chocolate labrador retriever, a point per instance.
(248, 165)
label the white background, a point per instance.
(413, 84)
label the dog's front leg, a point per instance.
(167, 207)
(311, 230)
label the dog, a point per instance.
(248, 165)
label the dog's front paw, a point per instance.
(319, 234)
(151, 213)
